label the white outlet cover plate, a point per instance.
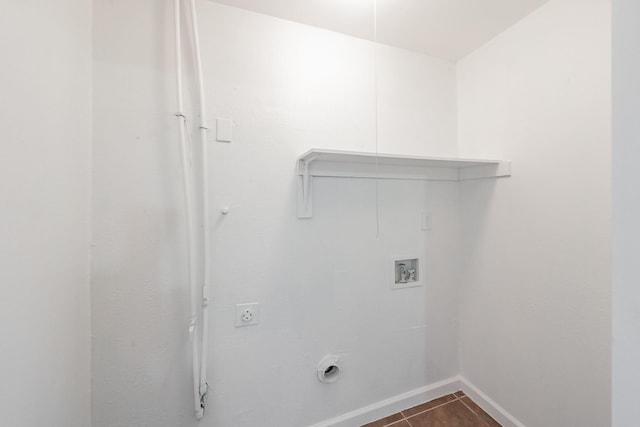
(425, 221)
(224, 130)
(254, 309)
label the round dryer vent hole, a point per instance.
(329, 369)
(331, 373)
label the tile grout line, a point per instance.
(468, 407)
(396, 421)
(407, 419)
(430, 409)
(474, 412)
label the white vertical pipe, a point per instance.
(188, 189)
(205, 206)
(375, 100)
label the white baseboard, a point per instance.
(420, 395)
(393, 405)
(489, 405)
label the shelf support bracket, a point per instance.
(305, 188)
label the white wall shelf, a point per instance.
(355, 164)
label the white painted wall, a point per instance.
(626, 175)
(534, 303)
(323, 283)
(45, 123)
(445, 29)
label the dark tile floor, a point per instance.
(453, 410)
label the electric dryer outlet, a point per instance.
(247, 314)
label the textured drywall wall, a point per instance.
(534, 302)
(323, 283)
(45, 123)
(626, 176)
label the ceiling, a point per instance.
(448, 29)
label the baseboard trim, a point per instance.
(420, 395)
(489, 405)
(394, 404)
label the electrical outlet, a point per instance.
(247, 314)
(426, 221)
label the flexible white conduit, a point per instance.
(205, 206)
(188, 181)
